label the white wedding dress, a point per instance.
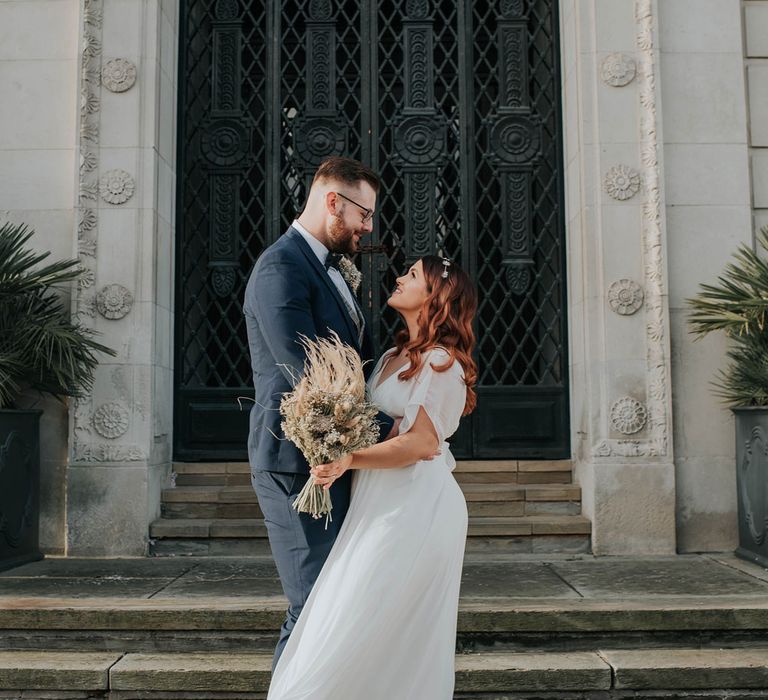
(380, 622)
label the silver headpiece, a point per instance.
(446, 265)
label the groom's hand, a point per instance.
(395, 429)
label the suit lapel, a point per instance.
(309, 254)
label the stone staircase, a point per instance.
(514, 507)
(567, 627)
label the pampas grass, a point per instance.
(327, 414)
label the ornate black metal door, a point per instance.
(457, 106)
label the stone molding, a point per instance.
(657, 404)
(111, 420)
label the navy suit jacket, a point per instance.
(289, 294)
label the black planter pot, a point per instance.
(19, 487)
(752, 482)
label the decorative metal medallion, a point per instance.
(625, 297)
(518, 278)
(320, 9)
(622, 182)
(618, 70)
(118, 75)
(512, 8)
(114, 301)
(516, 138)
(420, 139)
(226, 142)
(417, 9)
(754, 500)
(628, 415)
(227, 10)
(223, 280)
(116, 186)
(111, 420)
(316, 138)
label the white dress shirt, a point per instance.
(322, 253)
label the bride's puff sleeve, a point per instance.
(441, 394)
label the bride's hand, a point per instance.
(326, 474)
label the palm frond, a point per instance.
(17, 264)
(738, 305)
(40, 345)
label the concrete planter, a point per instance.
(752, 482)
(19, 487)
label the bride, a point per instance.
(380, 622)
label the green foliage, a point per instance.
(40, 346)
(738, 305)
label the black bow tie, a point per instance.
(333, 260)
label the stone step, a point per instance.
(664, 671)
(238, 502)
(467, 471)
(494, 535)
(518, 526)
(192, 617)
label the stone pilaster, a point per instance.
(618, 303)
(120, 434)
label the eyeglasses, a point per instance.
(368, 212)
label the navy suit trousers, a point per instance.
(300, 544)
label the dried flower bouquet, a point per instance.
(327, 414)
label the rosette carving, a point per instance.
(118, 75)
(116, 186)
(625, 297)
(110, 420)
(628, 415)
(114, 301)
(622, 182)
(618, 70)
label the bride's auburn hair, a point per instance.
(444, 321)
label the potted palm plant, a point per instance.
(41, 350)
(738, 305)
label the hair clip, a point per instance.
(446, 264)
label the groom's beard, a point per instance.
(342, 238)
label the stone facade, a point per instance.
(665, 113)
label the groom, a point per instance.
(297, 289)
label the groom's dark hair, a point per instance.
(347, 170)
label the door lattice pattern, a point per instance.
(456, 105)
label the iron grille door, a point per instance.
(457, 107)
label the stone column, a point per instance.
(617, 270)
(120, 447)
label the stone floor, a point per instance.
(519, 577)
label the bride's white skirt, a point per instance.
(380, 623)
